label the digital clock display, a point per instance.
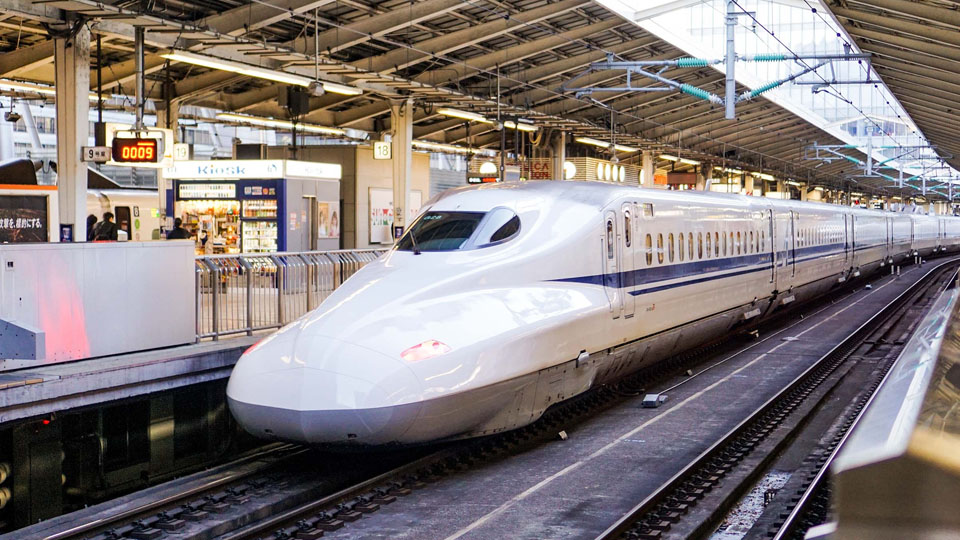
(136, 150)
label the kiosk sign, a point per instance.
(207, 191)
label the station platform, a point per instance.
(39, 391)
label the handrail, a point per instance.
(246, 292)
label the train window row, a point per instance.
(811, 236)
(699, 246)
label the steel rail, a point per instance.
(842, 349)
(150, 507)
(791, 523)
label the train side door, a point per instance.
(628, 259)
(611, 268)
(123, 220)
(792, 243)
(773, 249)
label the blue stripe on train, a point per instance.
(746, 263)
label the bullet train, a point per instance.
(504, 299)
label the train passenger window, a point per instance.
(647, 210)
(763, 240)
(649, 250)
(440, 231)
(670, 246)
(626, 229)
(737, 246)
(680, 247)
(700, 245)
(750, 247)
(660, 248)
(690, 245)
(709, 243)
(609, 238)
(716, 244)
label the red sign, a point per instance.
(136, 150)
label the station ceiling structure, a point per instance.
(479, 56)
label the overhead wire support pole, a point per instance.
(731, 81)
(141, 88)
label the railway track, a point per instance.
(675, 510)
(223, 508)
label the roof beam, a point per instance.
(255, 15)
(907, 27)
(920, 10)
(509, 55)
(25, 59)
(126, 72)
(337, 39)
(400, 58)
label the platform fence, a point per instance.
(243, 293)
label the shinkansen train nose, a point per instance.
(321, 390)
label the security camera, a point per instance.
(11, 116)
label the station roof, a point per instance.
(463, 54)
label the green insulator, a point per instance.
(691, 62)
(769, 57)
(765, 88)
(694, 91)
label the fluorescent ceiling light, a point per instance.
(341, 89)
(765, 176)
(669, 157)
(603, 144)
(253, 71)
(282, 124)
(466, 115)
(40, 89)
(689, 161)
(427, 145)
(520, 126)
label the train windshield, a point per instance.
(440, 231)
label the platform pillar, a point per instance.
(401, 122)
(647, 169)
(559, 155)
(72, 64)
(803, 193)
(748, 184)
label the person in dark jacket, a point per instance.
(91, 227)
(107, 230)
(178, 232)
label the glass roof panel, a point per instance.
(845, 97)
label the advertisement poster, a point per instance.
(23, 218)
(329, 216)
(381, 215)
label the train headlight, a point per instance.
(427, 349)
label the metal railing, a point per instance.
(242, 293)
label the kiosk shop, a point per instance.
(256, 206)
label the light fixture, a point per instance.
(569, 170)
(466, 115)
(341, 89)
(602, 144)
(689, 161)
(764, 176)
(40, 89)
(600, 171)
(488, 167)
(253, 71)
(623, 173)
(519, 126)
(668, 157)
(281, 124)
(427, 145)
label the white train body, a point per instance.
(135, 210)
(599, 281)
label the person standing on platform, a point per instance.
(91, 227)
(107, 230)
(178, 232)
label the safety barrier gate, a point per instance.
(242, 293)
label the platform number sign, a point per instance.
(96, 154)
(382, 150)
